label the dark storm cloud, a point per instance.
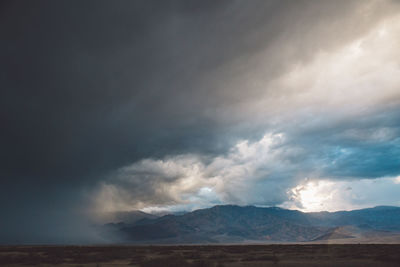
(89, 87)
(93, 85)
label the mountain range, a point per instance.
(237, 224)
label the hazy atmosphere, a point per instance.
(171, 106)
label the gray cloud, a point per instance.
(263, 172)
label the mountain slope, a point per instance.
(225, 224)
(231, 224)
(385, 218)
(128, 217)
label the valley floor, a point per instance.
(203, 255)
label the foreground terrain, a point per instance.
(202, 255)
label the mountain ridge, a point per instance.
(233, 223)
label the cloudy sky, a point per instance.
(176, 105)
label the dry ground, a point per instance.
(202, 255)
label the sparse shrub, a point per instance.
(192, 255)
(172, 261)
(218, 256)
(387, 258)
(137, 259)
(272, 258)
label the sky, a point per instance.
(166, 106)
